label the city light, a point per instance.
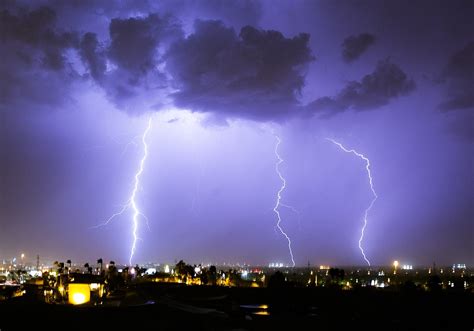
(79, 293)
(150, 271)
(94, 286)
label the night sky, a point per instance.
(79, 81)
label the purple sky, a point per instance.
(393, 80)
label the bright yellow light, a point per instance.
(79, 293)
(94, 286)
(78, 298)
(22, 255)
(395, 264)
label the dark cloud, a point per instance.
(387, 82)
(354, 46)
(36, 29)
(34, 64)
(134, 41)
(132, 80)
(236, 13)
(458, 77)
(93, 56)
(256, 74)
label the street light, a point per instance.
(395, 266)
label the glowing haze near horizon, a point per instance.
(79, 82)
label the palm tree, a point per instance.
(99, 261)
(69, 269)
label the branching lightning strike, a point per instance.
(278, 203)
(294, 210)
(131, 202)
(369, 174)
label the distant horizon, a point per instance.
(312, 265)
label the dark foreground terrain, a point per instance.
(154, 306)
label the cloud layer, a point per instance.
(387, 82)
(354, 46)
(128, 67)
(458, 78)
(256, 74)
(34, 66)
(149, 61)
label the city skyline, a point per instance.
(205, 126)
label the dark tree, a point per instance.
(434, 283)
(277, 280)
(212, 275)
(180, 268)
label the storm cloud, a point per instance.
(257, 74)
(34, 52)
(458, 78)
(132, 79)
(387, 82)
(354, 46)
(93, 56)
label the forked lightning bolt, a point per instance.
(131, 202)
(280, 191)
(136, 211)
(369, 174)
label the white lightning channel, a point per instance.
(280, 191)
(369, 174)
(131, 202)
(294, 210)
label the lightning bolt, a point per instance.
(280, 191)
(131, 203)
(294, 210)
(369, 174)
